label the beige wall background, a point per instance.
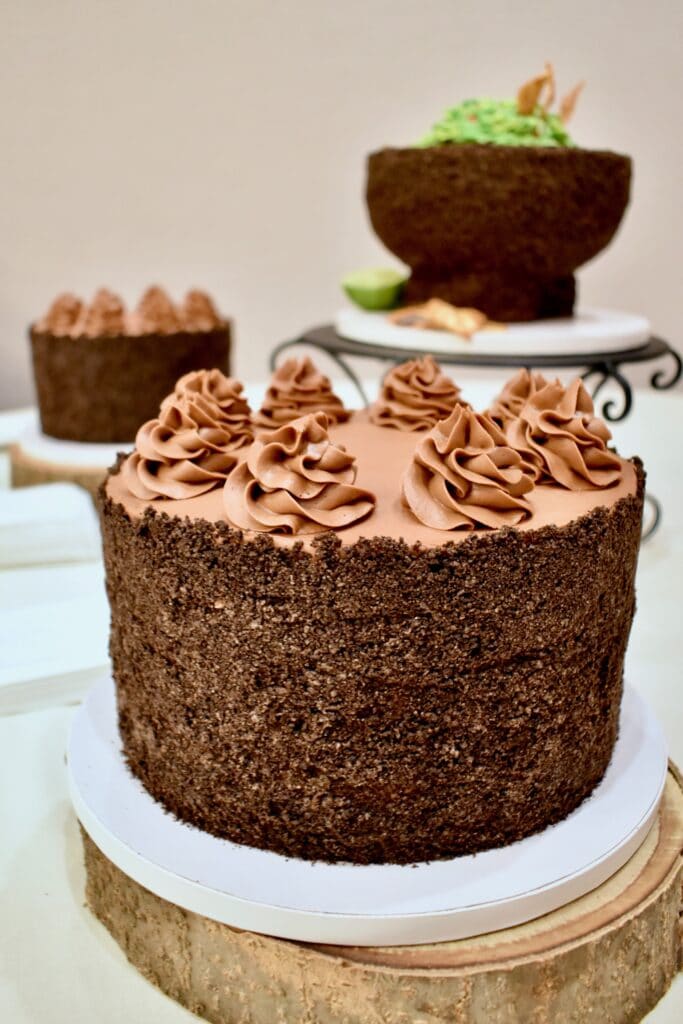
(222, 144)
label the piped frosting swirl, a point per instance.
(298, 388)
(559, 435)
(517, 391)
(415, 396)
(225, 393)
(186, 451)
(296, 481)
(104, 317)
(464, 475)
(62, 317)
(156, 314)
(198, 313)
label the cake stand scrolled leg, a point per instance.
(610, 409)
(334, 356)
(659, 378)
(283, 347)
(651, 525)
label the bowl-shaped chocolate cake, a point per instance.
(498, 227)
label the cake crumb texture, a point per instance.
(372, 702)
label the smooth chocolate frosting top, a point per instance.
(382, 457)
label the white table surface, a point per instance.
(58, 964)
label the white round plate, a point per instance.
(588, 331)
(68, 453)
(357, 905)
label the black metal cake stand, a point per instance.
(597, 369)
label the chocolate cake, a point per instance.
(101, 371)
(385, 638)
(496, 208)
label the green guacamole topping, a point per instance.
(499, 122)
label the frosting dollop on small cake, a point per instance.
(297, 481)
(563, 440)
(62, 316)
(223, 392)
(415, 396)
(188, 450)
(198, 312)
(465, 475)
(156, 313)
(296, 389)
(517, 391)
(104, 316)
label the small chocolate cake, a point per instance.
(101, 372)
(368, 640)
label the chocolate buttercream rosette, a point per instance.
(562, 440)
(63, 316)
(465, 476)
(199, 313)
(296, 389)
(156, 313)
(187, 450)
(515, 394)
(296, 481)
(225, 393)
(415, 395)
(106, 315)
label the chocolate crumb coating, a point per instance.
(373, 702)
(102, 389)
(503, 295)
(501, 228)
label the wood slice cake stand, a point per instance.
(27, 470)
(36, 458)
(608, 956)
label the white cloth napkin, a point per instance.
(47, 524)
(54, 624)
(14, 422)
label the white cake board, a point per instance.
(345, 904)
(81, 454)
(589, 331)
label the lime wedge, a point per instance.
(375, 289)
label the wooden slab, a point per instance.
(26, 470)
(607, 957)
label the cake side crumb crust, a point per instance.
(370, 703)
(101, 390)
